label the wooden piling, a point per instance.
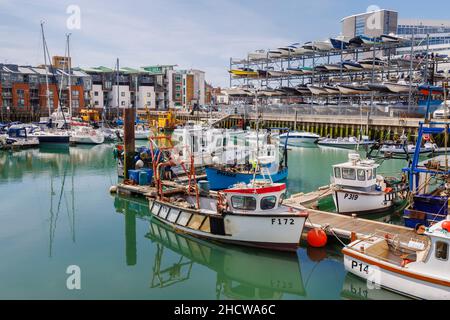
(129, 140)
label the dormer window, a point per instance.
(441, 250)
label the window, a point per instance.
(361, 175)
(374, 173)
(96, 93)
(441, 250)
(349, 174)
(75, 104)
(337, 173)
(369, 175)
(96, 103)
(268, 203)
(122, 103)
(75, 93)
(178, 88)
(149, 95)
(360, 25)
(122, 94)
(243, 203)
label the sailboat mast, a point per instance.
(69, 65)
(118, 88)
(47, 91)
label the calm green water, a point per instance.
(56, 211)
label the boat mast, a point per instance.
(118, 89)
(44, 46)
(69, 65)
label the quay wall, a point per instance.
(377, 128)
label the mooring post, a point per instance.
(128, 140)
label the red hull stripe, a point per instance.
(263, 190)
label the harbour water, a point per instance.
(56, 212)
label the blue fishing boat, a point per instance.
(430, 201)
(222, 178)
(339, 43)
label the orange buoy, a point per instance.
(317, 238)
(446, 225)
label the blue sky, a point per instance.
(201, 34)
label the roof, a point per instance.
(367, 13)
(424, 22)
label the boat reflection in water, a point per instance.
(355, 288)
(242, 273)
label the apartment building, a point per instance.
(188, 88)
(23, 91)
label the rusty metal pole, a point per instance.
(128, 140)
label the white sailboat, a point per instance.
(86, 135)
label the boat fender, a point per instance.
(420, 229)
(446, 226)
(388, 190)
(317, 238)
(405, 262)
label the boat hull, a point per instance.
(394, 278)
(298, 140)
(350, 146)
(54, 139)
(281, 232)
(219, 179)
(352, 201)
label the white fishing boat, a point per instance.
(299, 138)
(86, 135)
(346, 143)
(237, 215)
(358, 189)
(400, 87)
(418, 267)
